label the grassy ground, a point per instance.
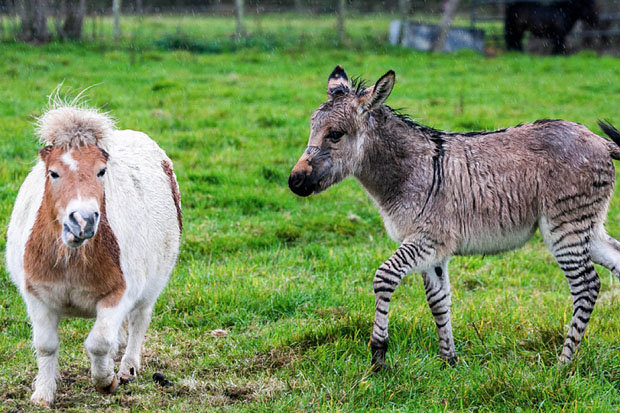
(290, 279)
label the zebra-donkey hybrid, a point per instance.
(442, 194)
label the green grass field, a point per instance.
(290, 279)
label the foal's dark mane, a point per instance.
(406, 118)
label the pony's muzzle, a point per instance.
(80, 226)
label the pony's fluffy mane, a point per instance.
(72, 124)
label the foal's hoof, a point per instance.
(450, 360)
(377, 367)
(378, 356)
(109, 389)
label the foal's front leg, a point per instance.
(437, 286)
(101, 346)
(45, 340)
(412, 255)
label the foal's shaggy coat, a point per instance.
(442, 194)
(94, 233)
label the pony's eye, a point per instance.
(53, 174)
(101, 173)
(334, 135)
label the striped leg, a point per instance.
(437, 286)
(411, 255)
(584, 287)
(570, 245)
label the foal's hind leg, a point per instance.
(570, 243)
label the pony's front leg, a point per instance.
(413, 254)
(139, 320)
(101, 346)
(45, 340)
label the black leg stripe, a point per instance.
(439, 314)
(431, 296)
(386, 280)
(432, 304)
(442, 325)
(390, 272)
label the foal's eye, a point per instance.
(101, 173)
(334, 135)
(53, 174)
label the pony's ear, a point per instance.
(338, 83)
(45, 152)
(376, 95)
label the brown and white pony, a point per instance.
(94, 233)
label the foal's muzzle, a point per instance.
(302, 180)
(300, 184)
(78, 226)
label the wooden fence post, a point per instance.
(116, 11)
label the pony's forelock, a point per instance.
(71, 123)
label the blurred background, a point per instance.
(488, 26)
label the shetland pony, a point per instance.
(94, 233)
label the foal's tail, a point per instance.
(614, 134)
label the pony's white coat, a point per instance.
(142, 215)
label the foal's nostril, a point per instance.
(296, 180)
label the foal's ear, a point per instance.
(376, 95)
(338, 83)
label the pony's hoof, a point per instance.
(126, 378)
(110, 388)
(41, 402)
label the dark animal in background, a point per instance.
(551, 21)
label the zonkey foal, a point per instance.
(442, 194)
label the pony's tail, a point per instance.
(614, 134)
(70, 124)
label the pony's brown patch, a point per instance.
(176, 196)
(95, 266)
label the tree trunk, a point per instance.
(241, 32)
(444, 25)
(340, 12)
(60, 10)
(298, 6)
(139, 9)
(74, 19)
(34, 21)
(116, 10)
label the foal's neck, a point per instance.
(398, 158)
